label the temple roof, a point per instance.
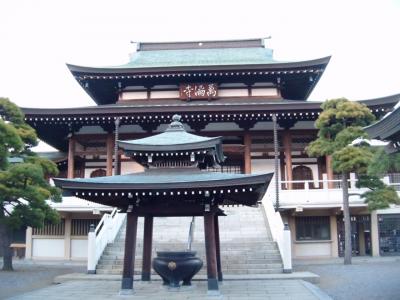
(387, 129)
(199, 57)
(144, 113)
(216, 61)
(220, 105)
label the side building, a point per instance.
(232, 89)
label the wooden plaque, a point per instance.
(198, 91)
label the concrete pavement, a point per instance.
(230, 290)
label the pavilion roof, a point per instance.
(171, 187)
(170, 178)
(174, 138)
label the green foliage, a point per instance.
(339, 124)
(379, 195)
(24, 189)
(351, 159)
(383, 163)
(381, 198)
(341, 113)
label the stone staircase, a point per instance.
(246, 243)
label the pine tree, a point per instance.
(23, 185)
(340, 123)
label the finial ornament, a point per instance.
(176, 118)
(175, 124)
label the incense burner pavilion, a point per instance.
(258, 108)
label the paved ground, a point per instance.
(365, 279)
(230, 290)
(29, 277)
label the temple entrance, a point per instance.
(360, 235)
(302, 173)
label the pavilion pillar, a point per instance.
(329, 171)
(247, 153)
(287, 145)
(209, 232)
(71, 157)
(129, 255)
(109, 148)
(217, 248)
(147, 247)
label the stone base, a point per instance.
(287, 271)
(212, 285)
(127, 283)
(215, 293)
(146, 276)
(126, 292)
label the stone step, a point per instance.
(246, 243)
(203, 271)
(160, 247)
(238, 266)
(246, 256)
(138, 261)
(254, 254)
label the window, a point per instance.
(82, 226)
(50, 229)
(313, 228)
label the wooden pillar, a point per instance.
(209, 232)
(71, 157)
(110, 149)
(287, 145)
(116, 154)
(282, 168)
(321, 170)
(247, 153)
(129, 255)
(147, 247)
(329, 171)
(217, 248)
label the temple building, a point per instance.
(233, 89)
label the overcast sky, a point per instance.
(38, 37)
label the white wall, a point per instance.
(48, 248)
(233, 92)
(134, 95)
(128, 167)
(264, 92)
(308, 249)
(164, 94)
(262, 166)
(79, 248)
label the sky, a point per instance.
(37, 39)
